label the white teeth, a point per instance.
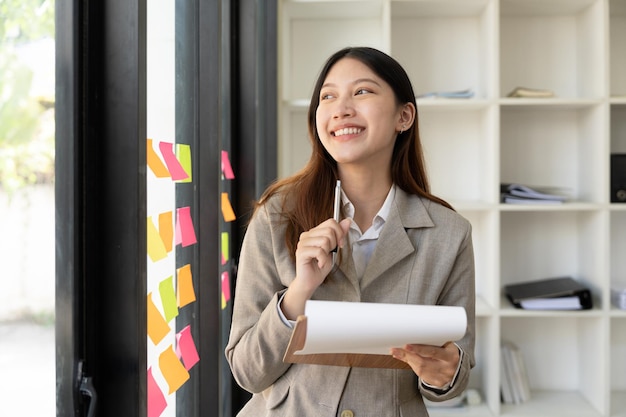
(347, 131)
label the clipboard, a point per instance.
(355, 360)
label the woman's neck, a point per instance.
(367, 194)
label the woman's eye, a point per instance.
(326, 96)
(362, 91)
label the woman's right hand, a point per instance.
(314, 261)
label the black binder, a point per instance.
(549, 294)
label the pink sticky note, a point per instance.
(227, 169)
(226, 285)
(185, 226)
(156, 400)
(186, 348)
(176, 169)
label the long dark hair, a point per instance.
(306, 199)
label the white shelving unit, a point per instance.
(576, 361)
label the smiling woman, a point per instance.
(363, 131)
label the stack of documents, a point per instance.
(524, 194)
(618, 296)
(469, 93)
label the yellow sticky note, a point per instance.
(157, 326)
(225, 247)
(172, 369)
(185, 293)
(183, 154)
(227, 209)
(156, 248)
(223, 302)
(168, 297)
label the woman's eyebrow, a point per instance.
(357, 81)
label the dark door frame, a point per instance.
(101, 190)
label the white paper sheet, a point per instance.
(374, 328)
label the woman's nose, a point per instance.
(344, 108)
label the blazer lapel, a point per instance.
(393, 245)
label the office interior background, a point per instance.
(181, 112)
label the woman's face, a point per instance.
(358, 117)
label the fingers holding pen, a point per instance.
(322, 240)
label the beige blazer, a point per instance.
(424, 256)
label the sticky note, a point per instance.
(185, 293)
(225, 247)
(185, 226)
(227, 209)
(183, 154)
(154, 162)
(227, 169)
(176, 170)
(173, 371)
(186, 348)
(166, 230)
(156, 247)
(223, 302)
(157, 326)
(226, 285)
(156, 400)
(168, 298)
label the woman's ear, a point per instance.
(407, 117)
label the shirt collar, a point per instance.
(382, 215)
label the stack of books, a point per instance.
(513, 376)
(524, 194)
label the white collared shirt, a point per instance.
(363, 244)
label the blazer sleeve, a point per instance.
(460, 290)
(258, 337)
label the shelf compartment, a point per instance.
(553, 146)
(484, 237)
(561, 356)
(618, 248)
(617, 34)
(537, 245)
(446, 46)
(462, 141)
(311, 31)
(618, 128)
(618, 364)
(294, 149)
(554, 45)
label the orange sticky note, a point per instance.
(157, 326)
(227, 209)
(185, 293)
(156, 400)
(156, 247)
(166, 230)
(172, 369)
(154, 162)
(186, 348)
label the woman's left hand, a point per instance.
(434, 365)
